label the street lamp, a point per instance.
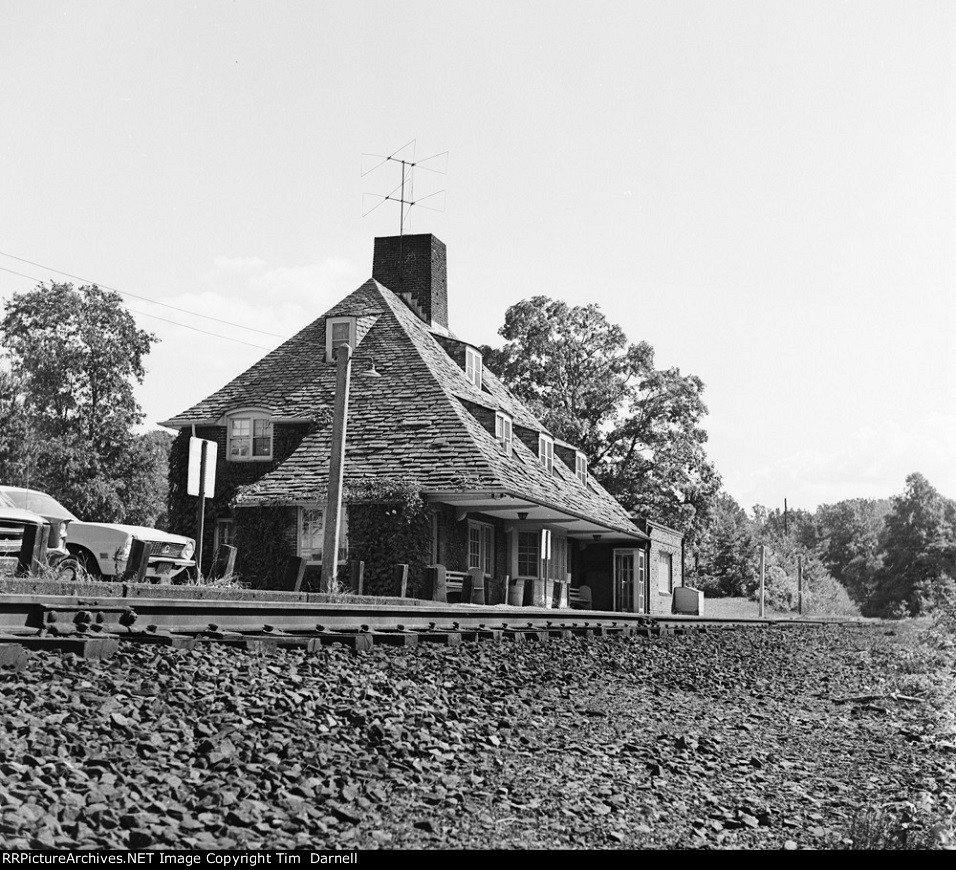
(333, 505)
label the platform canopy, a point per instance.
(531, 514)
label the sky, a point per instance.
(763, 191)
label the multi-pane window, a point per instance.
(481, 547)
(503, 431)
(528, 553)
(665, 573)
(250, 437)
(225, 533)
(473, 366)
(581, 467)
(546, 451)
(312, 532)
(338, 331)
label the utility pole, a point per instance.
(800, 585)
(333, 507)
(763, 550)
(785, 516)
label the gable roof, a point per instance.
(412, 421)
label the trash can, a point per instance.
(516, 592)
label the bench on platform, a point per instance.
(579, 598)
(454, 581)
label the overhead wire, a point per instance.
(135, 296)
(154, 316)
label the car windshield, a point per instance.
(5, 502)
(38, 502)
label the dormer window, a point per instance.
(473, 366)
(546, 451)
(250, 436)
(581, 467)
(503, 431)
(338, 331)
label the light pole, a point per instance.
(333, 505)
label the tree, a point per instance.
(638, 425)
(74, 357)
(918, 550)
(15, 443)
(850, 541)
(723, 560)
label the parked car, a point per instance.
(13, 519)
(103, 549)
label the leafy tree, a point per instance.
(639, 426)
(146, 479)
(918, 549)
(850, 541)
(74, 357)
(15, 441)
(723, 558)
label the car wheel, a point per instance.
(88, 564)
(71, 571)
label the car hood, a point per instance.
(142, 532)
(20, 516)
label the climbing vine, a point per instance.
(389, 524)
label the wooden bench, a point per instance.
(454, 581)
(577, 601)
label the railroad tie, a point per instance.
(357, 641)
(433, 634)
(492, 634)
(161, 637)
(92, 647)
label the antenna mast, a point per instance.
(439, 165)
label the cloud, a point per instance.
(276, 301)
(872, 462)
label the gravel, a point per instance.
(761, 738)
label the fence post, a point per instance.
(137, 563)
(401, 579)
(294, 572)
(435, 588)
(763, 549)
(800, 585)
(473, 587)
(225, 562)
(357, 576)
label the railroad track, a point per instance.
(93, 626)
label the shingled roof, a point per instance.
(416, 420)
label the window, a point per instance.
(528, 554)
(473, 366)
(250, 436)
(225, 534)
(665, 573)
(481, 547)
(546, 451)
(338, 331)
(503, 431)
(312, 533)
(581, 467)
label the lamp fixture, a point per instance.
(596, 537)
(371, 372)
(522, 515)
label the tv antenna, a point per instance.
(405, 157)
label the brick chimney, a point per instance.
(413, 267)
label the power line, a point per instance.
(155, 316)
(135, 296)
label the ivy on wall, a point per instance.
(389, 524)
(265, 539)
(231, 477)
